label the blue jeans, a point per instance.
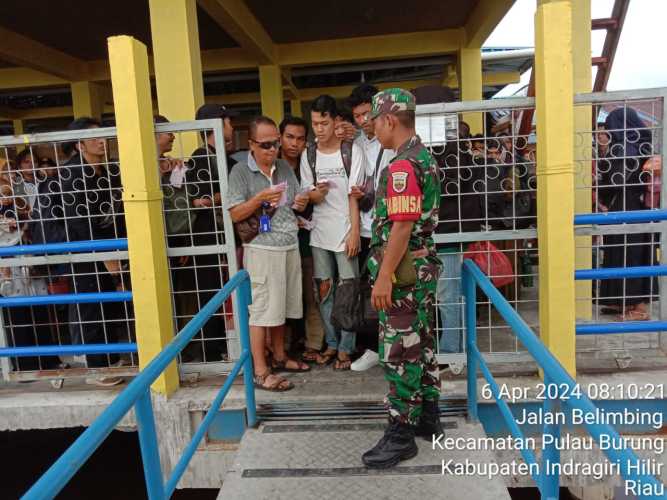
(333, 266)
(450, 302)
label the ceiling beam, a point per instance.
(327, 52)
(23, 51)
(483, 20)
(496, 78)
(7, 113)
(22, 78)
(236, 59)
(370, 48)
(288, 85)
(308, 94)
(240, 23)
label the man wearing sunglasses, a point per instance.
(266, 187)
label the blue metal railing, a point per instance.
(66, 298)
(66, 247)
(554, 375)
(626, 217)
(137, 395)
(68, 350)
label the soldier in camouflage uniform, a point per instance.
(404, 269)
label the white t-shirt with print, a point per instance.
(372, 148)
(331, 218)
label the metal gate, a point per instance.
(49, 200)
(489, 191)
(625, 164)
(488, 198)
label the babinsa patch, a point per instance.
(399, 181)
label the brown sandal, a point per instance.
(342, 364)
(280, 365)
(634, 315)
(279, 384)
(310, 355)
(326, 357)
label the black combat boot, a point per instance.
(429, 422)
(398, 443)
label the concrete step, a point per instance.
(321, 460)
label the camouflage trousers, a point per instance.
(407, 345)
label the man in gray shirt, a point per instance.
(267, 187)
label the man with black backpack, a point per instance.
(329, 169)
(377, 158)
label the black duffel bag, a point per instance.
(352, 309)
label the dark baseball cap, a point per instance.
(211, 111)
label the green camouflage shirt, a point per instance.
(426, 172)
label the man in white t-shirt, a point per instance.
(335, 237)
(377, 158)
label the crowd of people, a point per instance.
(313, 220)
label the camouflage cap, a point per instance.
(392, 101)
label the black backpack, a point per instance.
(345, 153)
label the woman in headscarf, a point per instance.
(621, 187)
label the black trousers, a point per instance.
(28, 326)
(366, 340)
(96, 323)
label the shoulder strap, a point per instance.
(346, 154)
(311, 156)
(379, 160)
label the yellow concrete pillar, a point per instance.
(18, 127)
(271, 92)
(295, 107)
(450, 77)
(18, 130)
(177, 61)
(87, 99)
(555, 177)
(581, 42)
(143, 204)
(470, 84)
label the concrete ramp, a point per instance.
(321, 460)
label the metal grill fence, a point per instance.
(200, 240)
(51, 193)
(489, 191)
(62, 188)
(618, 163)
(487, 208)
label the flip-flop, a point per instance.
(634, 315)
(327, 357)
(259, 382)
(339, 361)
(280, 365)
(310, 356)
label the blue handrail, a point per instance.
(66, 247)
(554, 373)
(65, 298)
(627, 327)
(610, 273)
(137, 395)
(624, 217)
(67, 350)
